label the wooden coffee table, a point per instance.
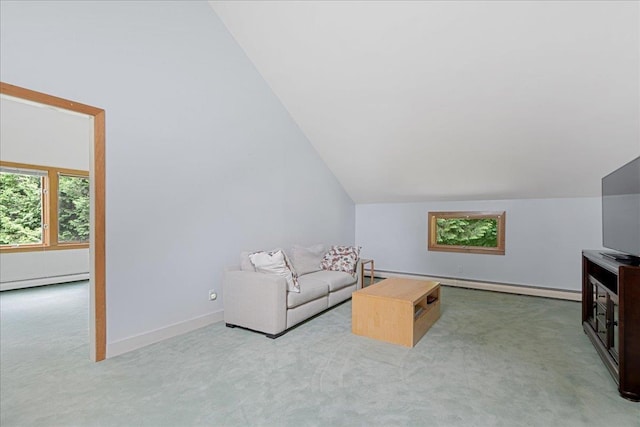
(399, 311)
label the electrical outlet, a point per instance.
(212, 295)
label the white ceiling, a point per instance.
(454, 100)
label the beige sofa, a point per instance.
(262, 303)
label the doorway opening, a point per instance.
(97, 269)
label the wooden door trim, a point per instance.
(99, 348)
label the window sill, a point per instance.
(41, 248)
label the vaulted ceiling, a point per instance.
(453, 100)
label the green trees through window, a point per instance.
(20, 208)
(471, 232)
(467, 232)
(73, 208)
(43, 206)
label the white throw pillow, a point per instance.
(276, 262)
(307, 260)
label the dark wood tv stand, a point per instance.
(611, 317)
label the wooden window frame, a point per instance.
(432, 244)
(49, 210)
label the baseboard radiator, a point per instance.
(489, 286)
(41, 281)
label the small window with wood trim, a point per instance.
(73, 208)
(470, 232)
(43, 207)
(22, 205)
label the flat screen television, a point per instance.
(621, 212)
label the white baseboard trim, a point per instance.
(488, 286)
(133, 343)
(30, 283)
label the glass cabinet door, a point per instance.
(593, 315)
(601, 325)
(601, 301)
(615, 344)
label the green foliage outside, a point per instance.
(467, 232)
(20, 209)
(73, 209)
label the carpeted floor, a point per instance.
(491, 360)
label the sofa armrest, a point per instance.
(256, 301)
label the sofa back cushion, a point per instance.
(276, 262)
(245, 262)
(307, 260)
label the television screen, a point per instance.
(621, 209)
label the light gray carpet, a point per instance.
(491, 360)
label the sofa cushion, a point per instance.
(333, 279)
(310, 289)
(341, 258)
(276, 262)
(302, 312)
(307, 260)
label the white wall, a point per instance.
(25, 269)
(202, 160)
(544, 239)
(42, 135)
(39, 135)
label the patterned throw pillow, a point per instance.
(341, 258)
(276, 262)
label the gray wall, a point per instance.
(544, 239)
(202, 159)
